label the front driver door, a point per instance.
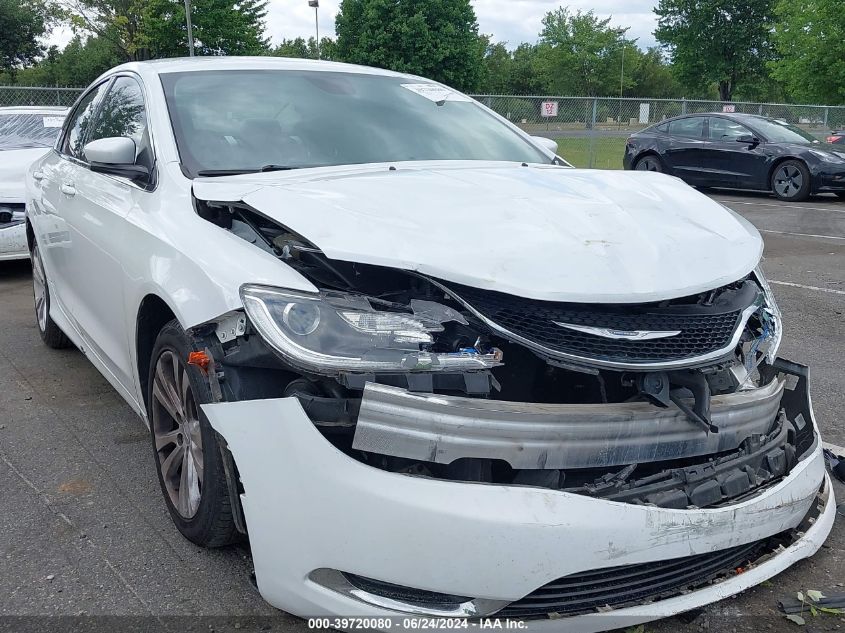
(95, 211)
(50, 202)
(731, 163)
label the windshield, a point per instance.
(21, 131)
(241, 121)
(780, 132)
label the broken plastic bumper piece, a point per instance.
(331, 535)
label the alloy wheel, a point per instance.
(177, 433)
(39, 289)
(649, 163)
(788, 181)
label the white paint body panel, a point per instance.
(484, 541)
(542, 232)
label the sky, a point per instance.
(511, 21)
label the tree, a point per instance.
(810, 38)
(650, 75)
(119, 22)
(716, 41)
(580, 54)
(303, 49)
(81, 61)
(525, 79)
(496, 68)
(22, 23)
(143, 29)
(220, 27)
(434, 38)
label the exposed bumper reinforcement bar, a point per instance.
(441, 429)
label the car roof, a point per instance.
(205, 63)
(33, 110)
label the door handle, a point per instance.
(68, 190)
(38, 175)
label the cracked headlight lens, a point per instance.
(771, 318)
(330, 333)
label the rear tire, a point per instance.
(791, 181)
(649, 162)
(50, 333)
(185, 447)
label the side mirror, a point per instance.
(748, 139)
(549, 143)
(115, 155)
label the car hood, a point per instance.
(13, 166)
(541, 232)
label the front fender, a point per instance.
(194, 266)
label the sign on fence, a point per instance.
(728, 108)
(548, 108)
(645, 109)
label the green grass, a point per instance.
(607, 151)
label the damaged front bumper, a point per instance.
(331, 535)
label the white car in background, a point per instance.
(430, 369)
(26, 134)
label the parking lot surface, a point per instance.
(84, 531)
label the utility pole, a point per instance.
(621, 79)
(316, 5)
(190, 28)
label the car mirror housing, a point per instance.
(114, 150)
(748, 139)
(115, 155)
(547, 143)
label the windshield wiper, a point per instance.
(238, 172)
(272, 167)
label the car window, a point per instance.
(663, 127)
(776, 131)
(726, 130)
(122, 113)
(80, 122)
(243, 120)
(692, 127)
(27, 130)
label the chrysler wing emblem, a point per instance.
(625, 335)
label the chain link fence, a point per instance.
(37, 96)
(591, 132)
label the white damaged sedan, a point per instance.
(427, 367)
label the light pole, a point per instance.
(621, 79)
(190, 28)
(316, 5)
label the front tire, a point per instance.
(649, 162)
(841, 194)
(185, 447)
(50, 333)
(791, 181)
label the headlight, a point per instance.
(330, 333)
(829, 157)
(770, 318)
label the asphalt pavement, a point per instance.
(86, 541)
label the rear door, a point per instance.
(686, 145)
(95, 209)
(729, 162)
